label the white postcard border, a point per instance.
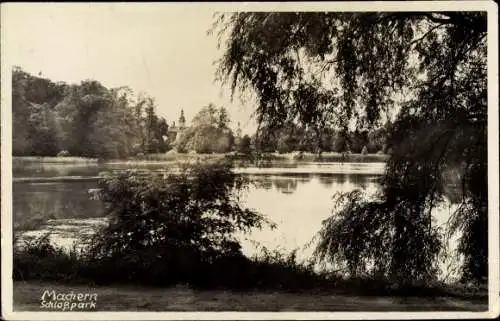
(493, 169)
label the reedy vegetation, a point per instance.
(424, 70)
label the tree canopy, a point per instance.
(209, 132)
(425, 71)
(293, 137)
(85, 119)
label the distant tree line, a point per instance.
(292, 137)
(90, 120)
(210, 132)
(87, 119)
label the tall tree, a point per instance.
(33, 99)
(86, 119)
(41, 130)
(114, 132)
(78, 113)
(245, 146)
(223, 122)
(151, 144)
(330, 69)
(209, 132)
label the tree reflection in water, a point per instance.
(287, 184)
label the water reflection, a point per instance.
(33, 169)
(261, 182)
(286, 186)
(326, 181)
(53, 169)
(283, 183)
(46, 170)
(35, 203)
(298, 205)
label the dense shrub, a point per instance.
(171, 226)
(39, 259)
(268, 270)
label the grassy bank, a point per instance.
(27, 295)
(192, 157)
(286, 157)
(19, 160)
(339, 157)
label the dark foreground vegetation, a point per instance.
(269, 271)
(179, 229)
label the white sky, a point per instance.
(160, 49)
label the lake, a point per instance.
(54, 198)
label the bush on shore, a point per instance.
(163, 229)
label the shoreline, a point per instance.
(247, 171)
(294, 157)
(272, 167)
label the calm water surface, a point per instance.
(297, 198)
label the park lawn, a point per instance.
(26, 296)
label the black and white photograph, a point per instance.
(283, 160)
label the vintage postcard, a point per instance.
(286, 160)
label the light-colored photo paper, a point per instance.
(273, 160)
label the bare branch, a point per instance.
(425, 35)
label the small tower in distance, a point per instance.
(182, 120)
(238, 131)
